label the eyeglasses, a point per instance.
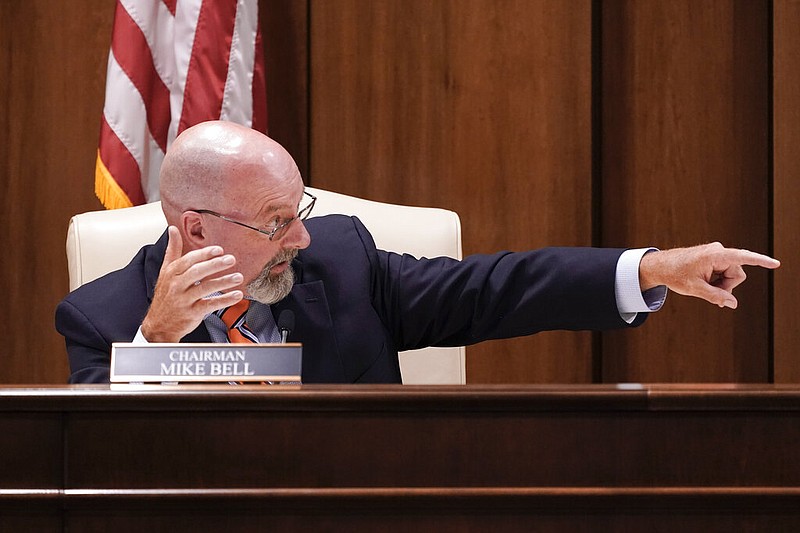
(277, 232)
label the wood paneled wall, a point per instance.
(53, 78)
(542, 122)
(685, 144)
(496, 109)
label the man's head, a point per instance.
(218, 177)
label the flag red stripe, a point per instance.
(170, 5)
(259, 87)
(120, 164)
(134, 57)
(208, 66)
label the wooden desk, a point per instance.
(504, 458)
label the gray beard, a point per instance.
(272, 289)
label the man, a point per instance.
(235, 203)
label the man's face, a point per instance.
(265, 264)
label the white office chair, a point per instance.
(99, 242)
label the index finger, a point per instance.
(746, 257)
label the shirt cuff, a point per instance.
(139, 338)
(630, 298)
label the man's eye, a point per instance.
(272, 224)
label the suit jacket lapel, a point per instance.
(200, 334)
(313, 327)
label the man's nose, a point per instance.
(297, 236)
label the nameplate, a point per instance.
(207, 362)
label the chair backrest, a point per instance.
(99, 242)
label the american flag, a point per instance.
(173, 64)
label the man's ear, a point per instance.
(192, 229)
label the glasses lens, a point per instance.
(280, 231)
(305, 209)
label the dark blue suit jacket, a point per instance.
(355, 306)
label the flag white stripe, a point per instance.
(125, 111)
(186, 15)
(156, 23)
(153, 159)
(237, 101)
(126, 115)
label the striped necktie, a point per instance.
(235, 317)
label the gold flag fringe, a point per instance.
(107, 189)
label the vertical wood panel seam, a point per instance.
(596, 42)
(309, 93)
(65, 419)
(771, 188)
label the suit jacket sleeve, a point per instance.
(107, 310)
(444, 302)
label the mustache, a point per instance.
(284, 255)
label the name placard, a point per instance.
(206, 362)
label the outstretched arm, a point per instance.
(708, 271)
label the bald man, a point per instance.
(236, 208)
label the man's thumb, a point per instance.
(718, 296)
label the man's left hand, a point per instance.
(708, 271)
